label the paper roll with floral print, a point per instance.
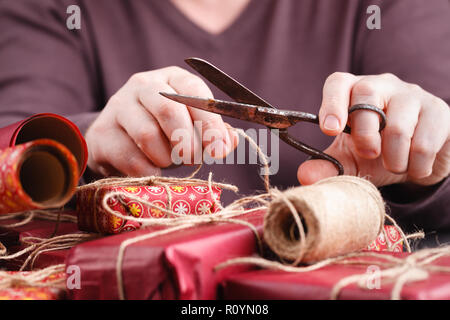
(40, 174)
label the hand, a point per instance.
(414, 146)
(132, 135)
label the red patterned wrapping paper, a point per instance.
(318, 284)
(34, 293)
(393, 236)
(185, 199)
(44, 229)
(13, 196)
(47, 126)
(177, 265)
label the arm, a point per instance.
(403, 68)
(417, 50)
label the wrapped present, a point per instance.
(36, 175)
(185, 199)
(13, 232)
(47, 126)
(18, 285)
(175, 265)
(406, 276)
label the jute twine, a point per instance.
(175, 222)
(398, 271)
(40, 278)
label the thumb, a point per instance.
(312, 171)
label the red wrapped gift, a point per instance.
(185, 199)
(176, 265)
(36, 175)
(41, 292)
(47, 126)
(318, 284)
(11, 237)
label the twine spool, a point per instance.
(335, 216)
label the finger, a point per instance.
(213, 129)
(430, 135)
(145, 131)
(124, 156)
(173, 118)
(312, 171)
(335, 101)
(402, 115)
(366, 124)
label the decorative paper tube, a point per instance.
(340, 215)
(47, 126)
(36, 175)
(186, 199)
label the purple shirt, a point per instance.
(282, 50)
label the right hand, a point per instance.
(132, 134)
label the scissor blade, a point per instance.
(269, 117)
(226, 84)
(231, 109)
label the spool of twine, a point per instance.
(333, 217)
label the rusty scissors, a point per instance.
(249, 106)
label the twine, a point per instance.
(398, 271)
(36, 246)
(176, 222)
(40, 278)
(29, 216)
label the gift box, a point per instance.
(41, 292)
(36, 175)
(185, 199)
(175, 265)
(318, 284)
(47, 126)
(11, 237)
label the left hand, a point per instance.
(414, 146)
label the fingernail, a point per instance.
(331, 123)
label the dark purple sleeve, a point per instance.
(414, 44)
(44, 66)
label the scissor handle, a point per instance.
(314, 153)
(317, 154)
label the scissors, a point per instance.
(249, 106)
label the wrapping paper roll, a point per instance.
(40, 174)
(340, 215)
(47, 126)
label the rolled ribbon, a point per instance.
(339, 215)
(40, 174)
